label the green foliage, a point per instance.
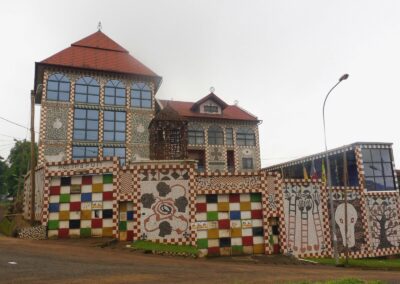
(148, 245)
(341, 281)
(5, 227)
(375, 263)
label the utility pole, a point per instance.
(33, 161)
(345, 182)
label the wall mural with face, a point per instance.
(355, 229)
(304, 218)
(164, 205)
(383, 221)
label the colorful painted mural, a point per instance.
(303, 209)
(164, 205)
(126, 221)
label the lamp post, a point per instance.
(328, 169)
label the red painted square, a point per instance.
(247, 241)
(97, 223)
(276, 248)
(201, 207)
(75, 206)
(129, 235)
(224, 224)
(86, 180)
(55, 190)
(256, 214)
(107, 195)
(213, 251)
(234, 198)
(63, 233)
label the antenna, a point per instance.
(99, 27)
(212, 89)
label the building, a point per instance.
(115, 161)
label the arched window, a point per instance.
(87, 90)
(245, 137)
(215, 135)
(58, 86)
(141, 95)
(114, 93)
(196, 135)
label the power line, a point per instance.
(5, 135)
(15, 123)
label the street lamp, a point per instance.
(328, 169)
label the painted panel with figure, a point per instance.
(164, 202)
(304, 218)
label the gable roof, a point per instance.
(97, 52)
(230, 112)
(210, 96)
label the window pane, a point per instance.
(93, 90)
(108, 152)
(368, 169)
(120, 93)
(366, 153)
(389, 183)
(109, 91)
(120, 126)
(80, 89)
(79, 135)
(108, 125)
(200, 140)
(63, 97)
(93, 114)
(80, 98)
(378, 171)
(108, 136)
(79, 124)
(80, 113)
(146, 95)
(119, 136)
(109, 115)
(120, 101)
(120, 152)
(370, 183)
(64, 87)
(385, 155)
(135, 103)
(52, 96)
(135, 94)
(91, 151)
(146, 104)
(92, 135)
(93, 99)
(379, 183)
(120, 116)
(52, 86)
(387, 169)
(78, 151)
(376, 155)
(109, 100)
(92, 124)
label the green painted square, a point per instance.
(86, 232)
(122, 225)
(237, 250)
(212, 216)
(202, 243)
(107, 178)
(53, 224)
(255, 197)
(64, 198)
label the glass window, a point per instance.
(141, 95)
(378, 169)
(215, 135)
(245, 137)
(87, 90)
(211, 108)
(86, 124)
(114, 93)
(114, 126)
(58, 86)
(247, 163)
(196, 136)
(118, 152)
(84, 152)
(229, 136)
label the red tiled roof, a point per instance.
(99, 52)
(231, 112)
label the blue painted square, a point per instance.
(54, 207)
(234, 215)
(86, 197)
(129, 215)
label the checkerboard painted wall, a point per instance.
(126, 221)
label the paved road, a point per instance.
(77, 261)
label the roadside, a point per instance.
(84, 260)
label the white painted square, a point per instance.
(108, 223)
(65, 189)
(98, 232)
(76, 180)
(258, 240)
(245, 215)
(212, 207)
(122, 216)
(247, 224)
(223, 215)
(108, 204)
(247, 232)
(202, 234)
(86, 223)
(75, 198)
(236, 224)
(52, 233)
(63, 224)
(107, 187)
(55, 181)
(75, 215)
(86, 206)
(256, 206)
(87, 188)
(129, 206)
(212, 224)
(245, 197)
(257, 222)
(234, 206)
(223, 198)
(200, 226)
(97, 179)
(200, 199)
(54, 199)
(129, 225)
(213, 243)
(201, 216)
(236, 241)
(54, 216)
(97, 196)
(224, 233)
(64, 206)
(74, 233)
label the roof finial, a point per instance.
(212, 89)
(99, 27)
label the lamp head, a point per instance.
(344, 77)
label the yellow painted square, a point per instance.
(122, 207)
(245, 206)
(259, 249)
(64, 215)
(236, 232)
(107, 232)
(86, 214)
(223, 206)
(98, 187)
(122, 236)
(213, 234)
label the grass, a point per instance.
(151, 246)
(371, 263)
(340, 281)
(5, 226)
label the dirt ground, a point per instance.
(84, 261)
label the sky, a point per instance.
(278, 59)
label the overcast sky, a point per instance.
(277, 58)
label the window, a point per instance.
(87, 90)
(215, 136)
(84, 152)
(229, 136)
(114, 125)
(245, 137)
(141, 95)
(196, 136)
(211, 108)
(247, 163)
(114, 93)
(58, 86)
(115, 152)
(378, 169)
(86, 124)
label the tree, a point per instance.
(3, 175)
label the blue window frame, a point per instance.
(215, 135)
(84, 152)
(114, 126)
(378, 169)
(87, 90)
(141, 95)
(58, 87)
(115, 152)
(114, 93)
(86, 124)
(245, 137)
